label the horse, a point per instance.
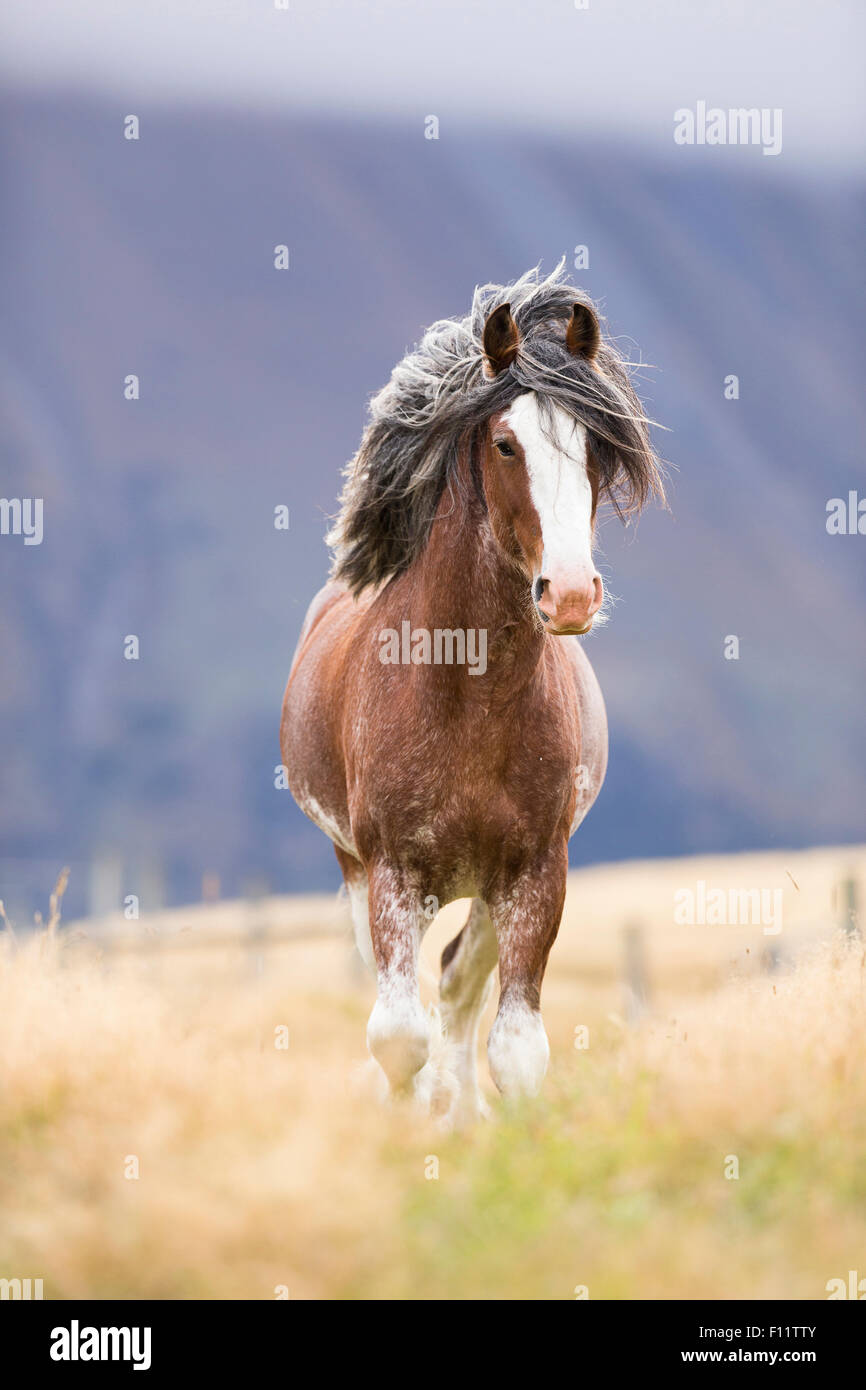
(469, 508)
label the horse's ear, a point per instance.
(583, 335)
(501, 341)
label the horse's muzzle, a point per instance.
(567, 607)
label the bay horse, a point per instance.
(469, 509)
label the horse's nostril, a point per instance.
(538, 589)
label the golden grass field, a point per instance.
(264, 1169)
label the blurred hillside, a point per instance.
(156, 258)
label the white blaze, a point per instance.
(559, 485)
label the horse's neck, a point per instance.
(462, 580)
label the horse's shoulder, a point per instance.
(332, 602)
(567, 655)
(328, 596)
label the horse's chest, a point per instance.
(465, 795)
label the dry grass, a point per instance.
(261, 1167)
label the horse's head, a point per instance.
(541, 482)
(527, 398)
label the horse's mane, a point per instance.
(438, 398)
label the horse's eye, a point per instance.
(504, 448)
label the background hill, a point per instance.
(156, 258)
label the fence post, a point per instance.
(850, 918)
(255, 936)
(636, 979)
(105, 884)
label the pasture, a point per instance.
(186, 1110)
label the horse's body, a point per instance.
(440, 780)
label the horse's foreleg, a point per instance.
(526, 915)
(468, 963)
(398, 1031)
(358, 890)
